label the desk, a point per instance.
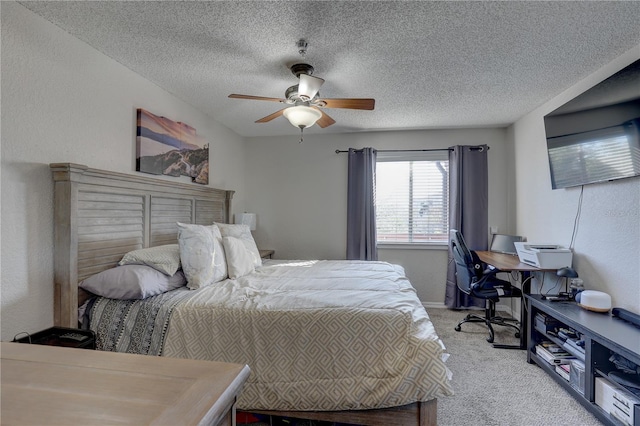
(511, 263)
(56, 385)
(507, 262)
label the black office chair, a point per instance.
(477, 280)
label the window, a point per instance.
(412, 197)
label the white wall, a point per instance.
(299, 192)
(607, 246)
(63, 101)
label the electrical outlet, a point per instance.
(493, 229)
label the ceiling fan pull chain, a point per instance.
(301, 134)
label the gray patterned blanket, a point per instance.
(134, 326)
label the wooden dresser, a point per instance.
(56, 385)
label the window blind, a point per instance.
(412, 197)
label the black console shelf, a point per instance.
(603, 335)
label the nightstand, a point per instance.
(61, 336)
(266, 254)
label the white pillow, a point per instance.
(239, 258)
(219, 258)
(165, 259)
(243, 233)
(198, 244)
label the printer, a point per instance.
(543, 256)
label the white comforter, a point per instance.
(318, 335)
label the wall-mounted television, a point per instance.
(595, 137)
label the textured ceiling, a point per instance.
(427, 64)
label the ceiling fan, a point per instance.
(304, 99)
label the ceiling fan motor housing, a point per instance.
(301, 68)
(291, 94)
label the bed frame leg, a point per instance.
(428, 413)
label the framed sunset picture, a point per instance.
(167, 147)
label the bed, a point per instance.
(343, 341)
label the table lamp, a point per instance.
(247, 219)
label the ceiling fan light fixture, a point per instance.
(309, 86)
(302, 116)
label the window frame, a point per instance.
(406, 156)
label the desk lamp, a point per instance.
(575, 282)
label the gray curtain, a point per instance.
(361, 214)
(468, 211)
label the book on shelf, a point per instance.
(547, 344)
(552, 347)
(573, 348)
(545, 319)
(564, 370)
(553, 358)
(555, 349)
(544, 324)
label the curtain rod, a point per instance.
(412, 150)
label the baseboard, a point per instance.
(432, 305)
(499, 307)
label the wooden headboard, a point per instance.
(99, 216)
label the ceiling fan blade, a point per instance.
(255, 98)
(350, 103)
(271, 116)
(325, 120)
(309, 85)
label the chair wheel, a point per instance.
(490, 339)
(517, 335)
(457, 328)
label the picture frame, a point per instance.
(171, 148)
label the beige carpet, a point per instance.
(498, 386)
